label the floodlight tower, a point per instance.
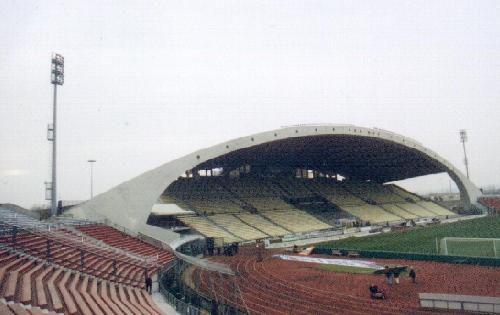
(463, 139)
(91, 162)
(56, 78)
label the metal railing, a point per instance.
(185, 299)
(11, 222)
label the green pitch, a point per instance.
(422, 239)
(475, 247)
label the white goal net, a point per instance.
(475, 247)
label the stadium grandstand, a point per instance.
(74, 267)
(492, 203)
(287, 182)
(214, 230)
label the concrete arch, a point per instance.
(129, 204)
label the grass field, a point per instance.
(421, 239)
(477, 247)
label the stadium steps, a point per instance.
(295, 187)
(397, 210)
(18, 309)
(70, 258)
(262, 204)
(237, 227)
(222, 227)
(376, 192)
(31, 282)
(26, 285)
(417, 210)
(295, 220)
(334, 193)
(208, 228)
(435, 208)
(69, 302)
(263, 224)
(403, 193)
(371, 213)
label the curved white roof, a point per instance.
(381, 154)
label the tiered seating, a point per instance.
(336, 194)
(262, 224)
(343, 198)
(121, 240)
(225, 202)
(249, 187)
(204, 195)
(399, 211)
(19, 309)
(417, 210)
(33, 282)
(208, 228)
(295, 187)
(491, 202)
(295, 220)
(261, 194)
(72, 249)
(237, 227)
(105, 264)
(403, 193)
(373, 191)
(371, 213)
(268, 204)
(435, 208)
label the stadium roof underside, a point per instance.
(353, 157)
(351, 151)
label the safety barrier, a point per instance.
(482, 261)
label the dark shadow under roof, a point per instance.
(364, 158)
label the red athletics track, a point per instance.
(276, 286)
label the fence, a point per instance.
(483, 261)
(72, 251)
(185, 299)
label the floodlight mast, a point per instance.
(463, 139)
(56, 78)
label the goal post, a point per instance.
(474, 247)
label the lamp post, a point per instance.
(463, 139)
(91, 162)
(56, 78)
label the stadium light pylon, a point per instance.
(56, 78)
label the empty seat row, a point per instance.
(399, 211)
(122, 270)
(38, 284)
(295, 220)
(237, 227)
(371, 213)
(19, 309)
(208, 228)
(435, 208)
(123, 241)
(263, 224)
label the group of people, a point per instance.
(230, 249)
(391, 276)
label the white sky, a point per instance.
(146, 83)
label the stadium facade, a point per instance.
(350, 151)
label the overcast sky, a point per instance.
(146, 83)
